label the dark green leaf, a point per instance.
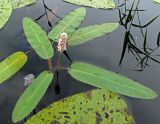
(85, 34)
(37, 38)
(68, 24)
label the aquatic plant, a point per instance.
(95, 106)
(86, 73)
(103, 4)
(157, 2)
(92, 103)
(7, 6)
(11, 65)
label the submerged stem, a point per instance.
(50, 65)
(59, 59)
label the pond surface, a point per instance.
(104, 52)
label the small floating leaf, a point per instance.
(104, 4)
(11, 65)
(85, 34)
(101, 78)
(21, 3)
(37, 38)
(31, 96)
(92, 107)
(5, 11)
(69, 24)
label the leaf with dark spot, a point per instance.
(90, 112)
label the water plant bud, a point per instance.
(62, 42)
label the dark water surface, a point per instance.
(104, 52)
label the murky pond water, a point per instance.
(105, 52)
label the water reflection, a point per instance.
(142, 55)
(64, 84)
(126, 19)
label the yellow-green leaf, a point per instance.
(31, 96)
(37, 38)
(92, 107)
(5, 11)
(157, 2)
(11, 65)
(103, 4)
(21, 3)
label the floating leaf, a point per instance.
(104, 4)
(101, 78)
(83, 35)
(5, 11)
(37, 38)
(21, 3)
(69, 24)
(157, 2)
(32, 95)
(11, 65)
(92, 107)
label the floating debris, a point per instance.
(28, 79)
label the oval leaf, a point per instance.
(83, 35)
(101, 78)
(104, 4)
(5, 11)
(11, 65)
(21, 3)
(31, 96)
(37, 38)
(92, 107)
(69, 24)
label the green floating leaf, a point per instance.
(32, 95)
(11, 65)
(157, 2)
(92, 107)
(69, 24)
(101, 78)
(103, 4)
(5, 11)
(21, 3)
(37, 38)
(85, 34)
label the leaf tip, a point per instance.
(82, 10)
